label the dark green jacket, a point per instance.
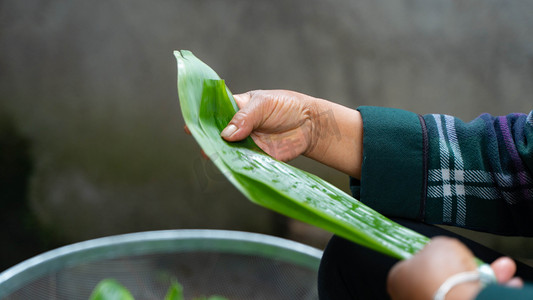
(441, 170)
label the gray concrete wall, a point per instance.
(92, 86)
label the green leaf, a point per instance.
(208, 105)
(110, 289)
(175, 292)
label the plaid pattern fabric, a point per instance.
(441, 170)
(483, 166)
(450, 183)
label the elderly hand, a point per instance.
(282, 123)
(286, 124)
(419, 277)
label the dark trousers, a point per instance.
(350, 271)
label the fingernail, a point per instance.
(228, 131)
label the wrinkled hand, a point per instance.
(419, 277)
(280, 122)
(286, 124)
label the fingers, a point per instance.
(245, 120)
(230, 130)
(504, 269)
(240, 126)
(515, 282)
(241, 100)
(421, 275)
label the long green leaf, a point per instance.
(207, 106)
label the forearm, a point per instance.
(337, 137)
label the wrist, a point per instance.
(336, 137)
(460, 286)
(319, 140)
(464, 291)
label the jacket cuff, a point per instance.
(393, 169)
(498, 292)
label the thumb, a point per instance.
(244, 121)
(504, 269)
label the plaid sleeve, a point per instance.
(439, 169)
(480, 173)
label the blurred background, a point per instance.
(91, 134)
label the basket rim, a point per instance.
(156, 242)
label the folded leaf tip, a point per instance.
(184, 54)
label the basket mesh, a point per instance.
(201, 273)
